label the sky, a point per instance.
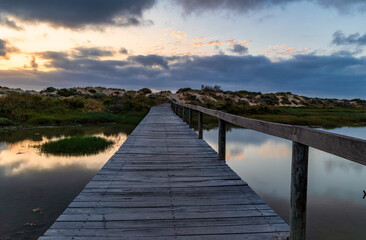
(308, 47)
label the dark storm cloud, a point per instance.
(150, 60)
(78, 13)
(339, 38)
(91, 52)
(197, 6)
(337, 75)
(239, 49)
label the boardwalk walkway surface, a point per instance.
(164, 183)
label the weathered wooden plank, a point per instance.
(182, 223)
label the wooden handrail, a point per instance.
(353, 149)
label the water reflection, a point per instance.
(336, 209)
(24, 156)
(34, 187)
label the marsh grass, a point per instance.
(327, 118)
(76, 146)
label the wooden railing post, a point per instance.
(183, 111)
(222, 140)
(299, 182)
(190, 117)
(200, 125)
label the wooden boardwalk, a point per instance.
(165, 183)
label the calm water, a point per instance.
(36, 188)
(336, 209)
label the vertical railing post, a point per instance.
(222, 140)
(200, 125)
(190, 113)
(183, 111)
(175, 108)
(299, 182)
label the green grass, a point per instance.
(76, 146)
(6, 122)
(315, 117)
(327, 118)
(25, 110)
(80, 118)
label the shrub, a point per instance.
(269, 99)
(145, 90)
(75, 103)
(285, 101)
(153, 96)
(107, 101)
(316, 101)
(215, 88)
(5, 122)
(64, 92)
(182, 90)
(98, 95)
(50, 89)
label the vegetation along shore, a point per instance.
(98, 105)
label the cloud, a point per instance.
(64, 61)
(5, 21)
(344, 6)
(339, 38)
(150, 60)
(278, 51)
(204, 44)
(337, 75)
(57, 60)
(239, 49)
(235, 42)
(199, 6)
(178, 34)
(78, 13)
(123, 51)
(2, 48)
(33, 64)
(5, 49)
(82, 52)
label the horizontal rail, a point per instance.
(353, 149)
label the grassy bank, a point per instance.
(74, 108)
(315, 117)
(282, 107)
(76, 146)
(327, 118)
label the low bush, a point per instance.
(76, 146)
